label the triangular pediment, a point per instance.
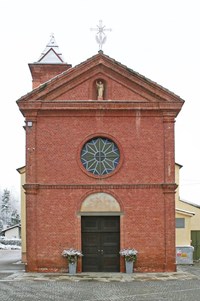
(120, 84)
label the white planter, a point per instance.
(129, 267)
(72, 268)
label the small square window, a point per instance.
(180, 223)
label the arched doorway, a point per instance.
(100, 227)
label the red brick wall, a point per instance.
(53, 158)
(44, 72)
(55, 225)
(59, 141)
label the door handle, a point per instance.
(100, 251)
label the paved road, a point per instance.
(10, 261)
(59, 289)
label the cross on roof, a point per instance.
(100, 36)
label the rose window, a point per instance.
(100, 156)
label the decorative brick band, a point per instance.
(165, 186)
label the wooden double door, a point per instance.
(100, 243)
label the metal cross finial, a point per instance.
(100, 36)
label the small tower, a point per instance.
(50, 64)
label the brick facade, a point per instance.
(138, 115)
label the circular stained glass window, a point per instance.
(100, 156)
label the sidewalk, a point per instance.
(103, 277)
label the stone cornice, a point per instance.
(34, 107)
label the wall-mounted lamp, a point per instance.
(29, 123)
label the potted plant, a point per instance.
(72, 257)
(130, 256)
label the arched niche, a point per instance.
(95, 89)
(100, 202)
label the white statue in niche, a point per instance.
(100, 89)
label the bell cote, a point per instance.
(50, 64)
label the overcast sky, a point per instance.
(157, 38)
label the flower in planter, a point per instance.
(129, 254)
(71, 255)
